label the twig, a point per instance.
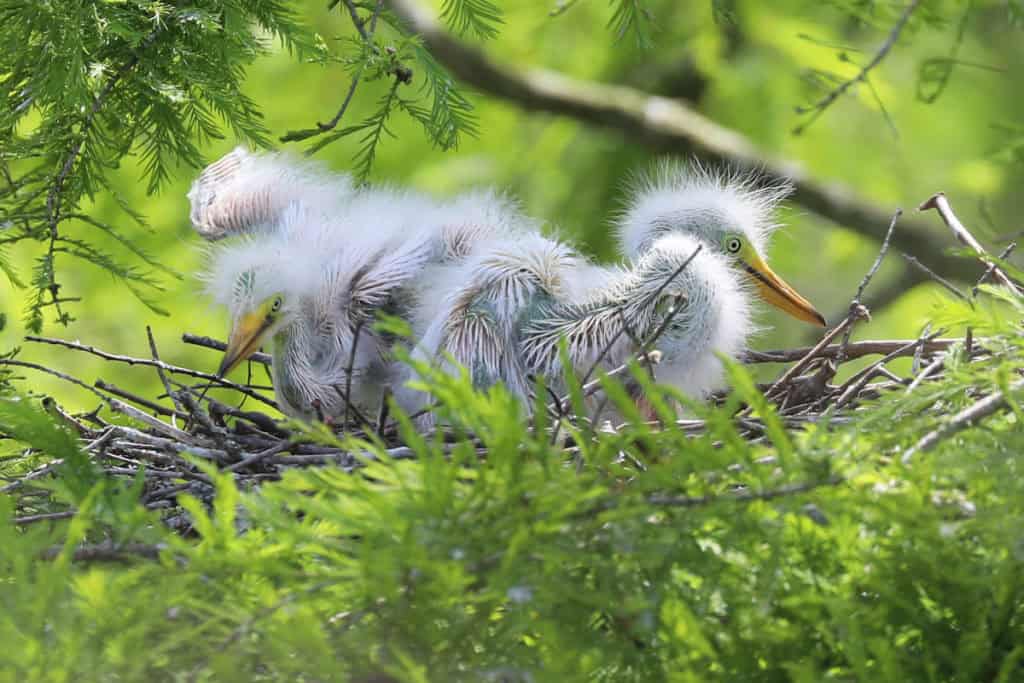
(151, 422)
(934, 276)
(279, 447)
(808, 357)
(622, 330)
(651, 299)
(740, 496)
(627, 328)
(32, 519)
(152, 363)
(67, 378)
(825, 102)
(262, 421)
(857, 310)
(350, 368)
(145, 403)
(30, 476)
(108, 552)
(160, 373)
(561, 406)
(926, 373)
(939, 202)
(217, 345)
(297, 135)
(878, 259)
(854, 350)
(853, 385)
(961, 421)
(915, 364)
(382, 412)
(356, 21)
(196, 412)
(50, 406)
(991, 268)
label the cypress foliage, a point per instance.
(644, 554)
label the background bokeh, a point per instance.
(748, 73)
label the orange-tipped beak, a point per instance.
(775, 291)
(244, 340)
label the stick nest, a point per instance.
(255, 447)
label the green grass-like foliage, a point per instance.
(644, 555)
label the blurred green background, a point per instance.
(747, 72)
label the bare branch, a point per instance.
(853, 350)
(217, 345)
(744, 496)
(939, 202)
(108, 552)
(153, 363)
(857, 309)
(160, 372)
(991, 268)
(810, 356)
(950, 287)
(367, 36)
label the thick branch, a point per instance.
(668, 126)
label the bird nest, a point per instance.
(163, 437)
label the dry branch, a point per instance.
(174, 369)
(870, 347)
(939, 202)
(217, 345)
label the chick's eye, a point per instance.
(276, 306)
(733, 245)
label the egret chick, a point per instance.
(313, 261)
(729, 212)
(244, 191)
(312, 295)
(503, 313)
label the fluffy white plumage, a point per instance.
(511, 303)
(689, 197)
(334, 259)
(312, 260)
(242, 192)
(505, 310)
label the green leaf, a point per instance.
(480, 17)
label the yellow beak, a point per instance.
(775, 291)
(244, 340)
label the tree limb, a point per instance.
(669, 126)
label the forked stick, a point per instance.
(939, 202)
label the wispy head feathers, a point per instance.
(243, 272)
(703, 202)
(244, 192)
